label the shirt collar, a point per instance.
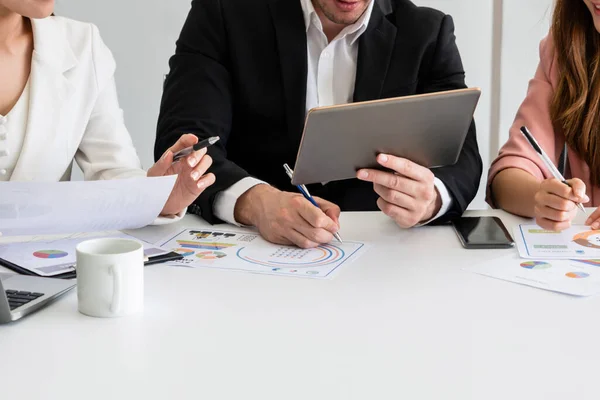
(358, 28)
(50, 44)
(308, 10)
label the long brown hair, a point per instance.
(575, 108)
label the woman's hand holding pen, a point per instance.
(556, 204)
(191, 180)
(288, 218)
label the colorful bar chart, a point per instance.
(204, 245)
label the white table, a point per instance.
(402, 322)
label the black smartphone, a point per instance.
(482, 233)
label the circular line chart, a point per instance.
(323, 255)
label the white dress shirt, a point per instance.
(12, 134)
(330, 81)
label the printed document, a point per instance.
(35, 208)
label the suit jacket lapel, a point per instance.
(49, 89)
(374, 55)
(290, 33)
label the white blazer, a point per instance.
(74, 113)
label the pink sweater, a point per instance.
(534, 113)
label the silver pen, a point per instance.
(307, 195)
(549, 164)
(198, 146)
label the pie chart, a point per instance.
(210, 255)
(184, 252)
(588, 239)
(577, 275)
(50, 254)
(535, 265)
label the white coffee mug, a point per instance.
(110, 277)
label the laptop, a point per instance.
(21, 295)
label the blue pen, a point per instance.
(307, 195)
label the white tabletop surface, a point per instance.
(402, 322)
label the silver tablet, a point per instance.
(429, 129)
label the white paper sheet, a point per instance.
(574, 277)
(579, 241)
(34, 208)
(249, 252)
(55, 257)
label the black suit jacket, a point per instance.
(240, 71)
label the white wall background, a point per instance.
(498, 41)
(141, 35)
(526, 22)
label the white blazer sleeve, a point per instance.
(106, 150)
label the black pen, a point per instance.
(198, 146)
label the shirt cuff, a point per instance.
(224, 204)
(446, 200)
(169, 219)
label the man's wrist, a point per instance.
(434, 207)
(246, 205)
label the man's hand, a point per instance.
(408, 194)
(287, 218)
(556, 204)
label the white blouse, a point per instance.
(12, 134)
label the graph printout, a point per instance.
(574, 277)
(53, 257)
(249, 252)
(577, 242)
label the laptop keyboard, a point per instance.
(19, 298)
